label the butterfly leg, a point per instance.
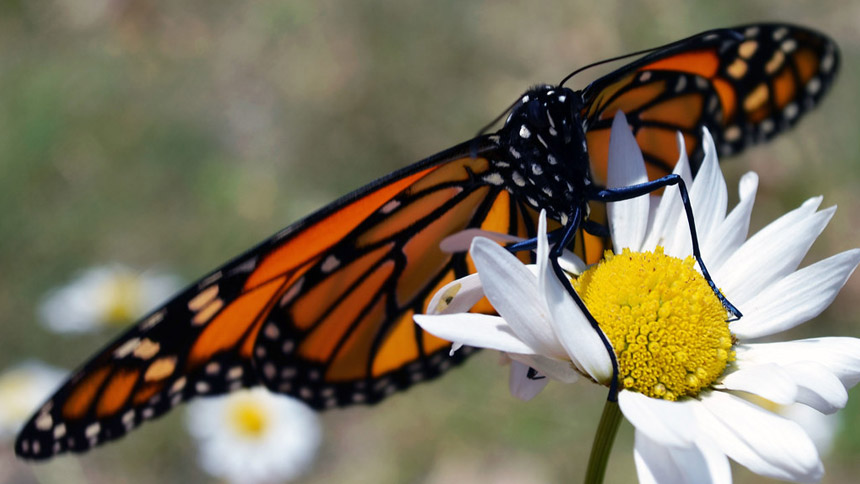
(589, 226)
(568, 235)
(633, 191)
(531, 244)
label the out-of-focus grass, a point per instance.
(176, 134)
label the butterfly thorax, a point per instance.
(547, 156)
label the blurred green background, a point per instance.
(174, 135)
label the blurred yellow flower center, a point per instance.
(248, 417)
(122, 297)
(667, 326)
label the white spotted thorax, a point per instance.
(543, 128)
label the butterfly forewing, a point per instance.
(344, 332)
(744, 84)
(322, 311)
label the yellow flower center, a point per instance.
(123, 298)
(248, 417)
(667, 326)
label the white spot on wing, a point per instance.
(272, 331)
(390, 206)
(330, 263)
(92, 430)
(292, 292)
(151, 321)
(779, 33)
(813, 86)
(44, 422)
(791, 111)
(235, 373)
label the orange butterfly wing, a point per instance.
(343, 333)
(745, 84)
(334, 295)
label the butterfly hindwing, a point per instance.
(745, 84)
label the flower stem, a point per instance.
(602, 446)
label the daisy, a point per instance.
(686, 376)
(102, 296)
(22, 388)
(254, 436)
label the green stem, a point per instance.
(602, 446)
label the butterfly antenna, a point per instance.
(497, 119)
(646, 51)
(606, 61)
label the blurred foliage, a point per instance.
(177, 134)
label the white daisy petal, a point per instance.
(581, 341)
(767, 381)
(555, 369)
(670, 209)
(732, 232)
(572, 328)
(717, 463)
(461, 241)
(821, 428)
(746, 433)
(817, 387)
(513, 291)
(665, 422)
(471, 329)
(660, 464)
(628, 219)
(839, 355)
(772, 253)
(521, 385)
(457, 296)
(708, 194)
(796, 298)
(571, 263)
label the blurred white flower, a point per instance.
(254, 436)
(23, 388)
(105, 296)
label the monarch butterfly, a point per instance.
(323, 309)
